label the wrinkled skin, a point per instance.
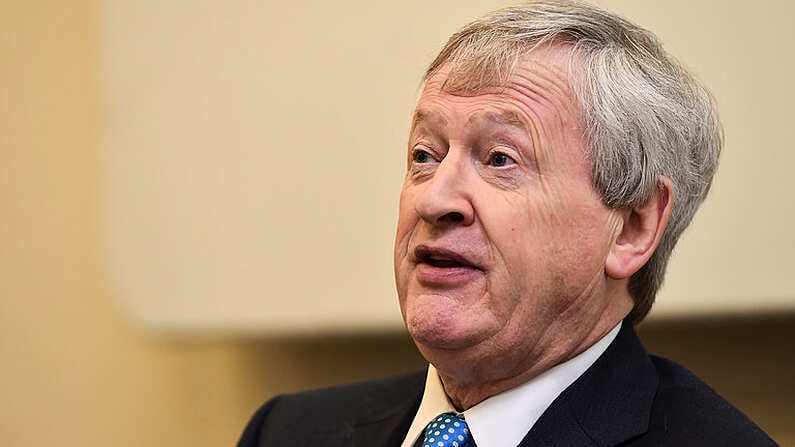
(502, 241)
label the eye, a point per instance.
(499, 159)
(420, 156)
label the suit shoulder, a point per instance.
(388, 391)
(690, 412)
(332, 409)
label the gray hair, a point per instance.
(645, 115)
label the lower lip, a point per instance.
(430, 275)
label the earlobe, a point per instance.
(640, 233)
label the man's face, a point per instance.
(501, 239)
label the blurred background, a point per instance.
(116, 326)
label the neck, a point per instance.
(464, 394)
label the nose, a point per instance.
(446, 198)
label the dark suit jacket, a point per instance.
(626, 398)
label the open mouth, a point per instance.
(441, 258)
(442, 262)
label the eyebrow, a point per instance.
(421, 116)
(502, 117)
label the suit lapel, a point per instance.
(384, 420)
(375, 416)
(388, 431)
(608, 404)
(383, 431)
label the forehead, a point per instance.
(539, 80)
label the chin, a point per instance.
(443, 331)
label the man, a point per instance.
(555, 156)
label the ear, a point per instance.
(640, 232)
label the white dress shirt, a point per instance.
(504, 419)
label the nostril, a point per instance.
(452, 217)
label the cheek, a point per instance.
(553, 235)
(516, 236)
(407, 221)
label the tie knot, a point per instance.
(447, 430)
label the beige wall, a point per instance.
(214, 109)
(74, 373)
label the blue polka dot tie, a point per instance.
(447, 430)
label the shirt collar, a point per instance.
(434, 402)
(504, 419)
